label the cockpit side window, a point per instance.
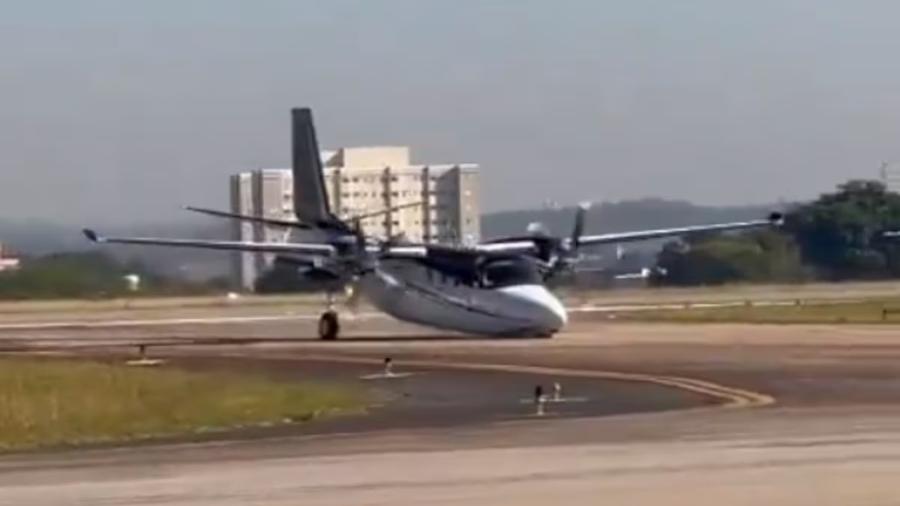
(509, 272)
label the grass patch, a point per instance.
(881, 311)
(55, 402)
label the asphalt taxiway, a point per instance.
(719, 414)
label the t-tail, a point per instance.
(310, 195)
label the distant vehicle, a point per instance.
(495, 288)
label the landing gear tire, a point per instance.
(329, 326)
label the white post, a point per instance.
(539, 400)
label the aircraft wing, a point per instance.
(642, 235)
(311, 249)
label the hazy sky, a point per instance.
(115, 111)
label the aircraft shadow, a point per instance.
(411, 338)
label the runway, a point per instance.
(830, 435)
(764, 466)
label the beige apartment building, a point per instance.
(443, 200)
(890, 176)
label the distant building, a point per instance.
(242, 202)
(361, 181)
(7, 263)
(890, 176)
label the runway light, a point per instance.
(143, 360)
(539, 400)
(387, 372)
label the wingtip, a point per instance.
(91, 235)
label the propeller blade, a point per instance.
(353, 294)
(360, 237)
(578, 229)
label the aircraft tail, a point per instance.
(310, 195)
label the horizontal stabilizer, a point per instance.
(245, 217)
(385, 211)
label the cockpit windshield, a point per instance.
(510, 271)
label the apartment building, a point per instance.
(443, 200)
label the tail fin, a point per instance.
(310, 197)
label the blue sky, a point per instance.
(116, 111)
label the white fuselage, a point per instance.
(524, 310)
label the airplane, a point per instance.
(494, 288)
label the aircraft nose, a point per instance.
(557, 312)
(546, 308)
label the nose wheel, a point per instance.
(329, 326)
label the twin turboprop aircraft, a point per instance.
(496, 288)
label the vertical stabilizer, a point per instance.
(310, 197)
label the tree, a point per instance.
(762, 256)
(841, 233)
(87, 274)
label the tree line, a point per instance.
(90, 275)
(839, 236)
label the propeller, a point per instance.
(363, 262)
(566, 252)
(578, 229)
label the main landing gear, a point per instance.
(329, 324)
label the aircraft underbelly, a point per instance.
(457, 307)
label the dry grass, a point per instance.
(880, 311)
(54, 402)
(156, 303)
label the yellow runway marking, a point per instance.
(729, 397)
